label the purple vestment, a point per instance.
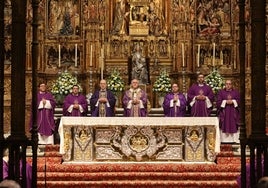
(135, 110)
(228, 113)
(174, 109)
(28, 172)
(69, 102)
(238, 180)
(5, 169)
(95, 104)
(200, 108)
(45, 114)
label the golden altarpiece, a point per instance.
(90, 38)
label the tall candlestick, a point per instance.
(213, 55)
(75, 56)
(198, 55)
(90, 56)
(182, 54)
(59, 56)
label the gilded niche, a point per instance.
(63, 17)
(139, 18)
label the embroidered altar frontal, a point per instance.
(96, 139)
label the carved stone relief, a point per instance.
(63, 56)
(82, 144)
(194, 145)
(213, 18)
(63, 17)
(139, 143)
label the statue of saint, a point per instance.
(139, 66)
(120, 18)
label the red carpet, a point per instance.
(139, 174)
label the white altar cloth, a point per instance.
(139, 121)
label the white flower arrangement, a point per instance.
(162, 85)
(115, 83)
(215, 80)
(64, 84)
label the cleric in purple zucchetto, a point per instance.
(200, 98)
(174, 103)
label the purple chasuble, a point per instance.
(228, 113)
(71, 100)
(109, 110)
(45, 114)
(134, 110)
(199, 108)
(28, 172)
(5, 169)
(172, 109)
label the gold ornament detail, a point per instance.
(138, 142)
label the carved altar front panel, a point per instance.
(91, 139)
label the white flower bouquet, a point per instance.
(215, 81)
(162, 85)
(64, 84)
(115, 83)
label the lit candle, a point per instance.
(221, 58)
(75, 56)
(102, 52)
(234, 64)
(102, 62)
(213, 55)
(198, 55)
(182, 54)
(90, 56)
(59, 56)
(102, 66)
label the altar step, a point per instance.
(124, 176)
(140, 184)
(53, 174)
(105, 178)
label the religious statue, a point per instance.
(120, 18)
(63, 17)
(139, 66)
(156, 19)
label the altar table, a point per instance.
(97, 139)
